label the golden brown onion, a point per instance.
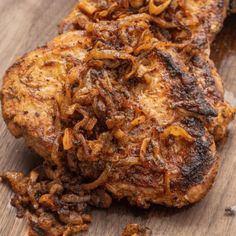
(99, 181)
(176, 131)
(156, 10)
(87, 7)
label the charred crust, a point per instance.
(200, 158)
(201, 161)
(210, 85)
(194, 127)
(185, 89)
(200, 41)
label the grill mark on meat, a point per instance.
(200, 158)
(195, 170)
(187, 93)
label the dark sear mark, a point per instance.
(186, 93)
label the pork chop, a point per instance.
(139, 119)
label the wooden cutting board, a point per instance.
(26, 24)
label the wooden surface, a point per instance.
(26, 24)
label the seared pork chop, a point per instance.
(127, 102)
(137, 118)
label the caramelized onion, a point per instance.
(138, 121)
(136, 3)
(113, 55)
(98, 182)
(90, 124)
(119, 134)
(176, 131)
(46, 200)
(72, 230)
(106, 12)
(163, 23)
(67, 139)
(87, 7)
(156, 10)
(143, 149)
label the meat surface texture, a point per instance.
(198, 21)
(129, 96)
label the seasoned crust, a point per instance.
(147, 143)
(31, 88)
(130, 107)
(210, 15)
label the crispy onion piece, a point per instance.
(86, 7)
(138, 121)
(163, 23)
(91, 124)
(98, 182)
(120, 135)
(47, 200)
(75, 229)
(106, 12)
(143, 149)
(126, 21)
(156, 10)
(136, 230)
(176, 131)
(67, 139)
(136, 3)
(16, 181)
(96, 54)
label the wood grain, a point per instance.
(26, 24)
